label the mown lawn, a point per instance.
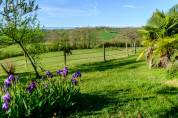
(55, 60)
(126, 88)
(119, 87)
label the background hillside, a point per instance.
(93, 37)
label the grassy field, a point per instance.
(106, 35)
(119, 87)
(55, 60)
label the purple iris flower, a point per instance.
(7, 83)
(65, 71)
(74, 81)
(7, 97)
(49, 74)
(31, 87)
(11, 77)
(74, 76)
(5, 106)
(77, 74)
(59, 72)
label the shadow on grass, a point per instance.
(126, 62)
(173, 111)
(92, 104)
(168, 90)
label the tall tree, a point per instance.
(19, 23)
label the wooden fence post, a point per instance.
(135, 50)
(126, 46)
(65, 58)
(104, 52)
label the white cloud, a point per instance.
(130, 6)
(91, 10)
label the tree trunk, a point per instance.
(150, 57)
(164, 61)
(30, 59)
(65, 57)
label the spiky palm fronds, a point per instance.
(161, 33)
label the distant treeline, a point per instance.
(80, 38)
(84, 38)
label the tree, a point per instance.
(161, 37)
(19, 24)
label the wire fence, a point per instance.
(56, 59)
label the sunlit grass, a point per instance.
(119, 87)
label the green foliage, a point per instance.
(18, 20)
(19, 24)
(37, 48)
(168, 45)
(160, 34)
(50, 96)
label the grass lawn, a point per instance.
(119, 87)
(126, 88)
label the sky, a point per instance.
(113, 13)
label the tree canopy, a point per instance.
(19, 24)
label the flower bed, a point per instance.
(40, 97)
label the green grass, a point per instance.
(125, 87)
(10, 51)
(119, 87)
(55, 60)
(106, 35)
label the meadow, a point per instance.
(119, 87)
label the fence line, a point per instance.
(69, 59)
(85, 53)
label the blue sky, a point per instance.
(82, 13)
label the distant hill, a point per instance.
(89, 37)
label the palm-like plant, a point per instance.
(160, 37)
